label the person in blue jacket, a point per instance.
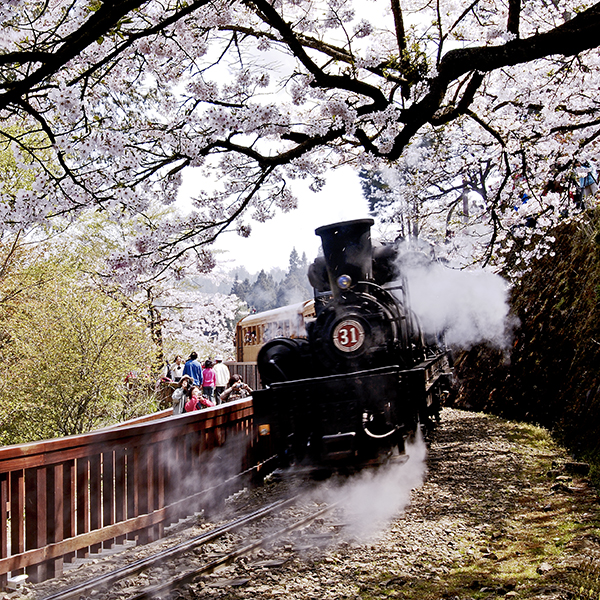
(193, 368)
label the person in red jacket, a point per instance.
(197, 401)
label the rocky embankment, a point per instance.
(502, 512)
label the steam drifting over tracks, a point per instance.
(190, 562)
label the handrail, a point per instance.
(72, 496)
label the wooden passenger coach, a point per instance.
(255, 330)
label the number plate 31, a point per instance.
(348, 335)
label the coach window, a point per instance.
(250, 336)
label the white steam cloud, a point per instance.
(373, 498)
(468, 307)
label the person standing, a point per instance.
(174, 371)
(177, 369)
(208, 380)
(236, 389)
(180, 395)
(193, 368)
(222, 376)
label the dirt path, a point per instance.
(496, 516)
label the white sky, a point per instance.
(270, 243)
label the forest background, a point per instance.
(474, 125)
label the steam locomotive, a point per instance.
(363, 378)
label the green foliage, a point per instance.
(294, 286)
(412, 63)
(263, 293)
(375, 190)
(17, 165)
(66, 350)
(266, 294)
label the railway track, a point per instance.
(190, 561)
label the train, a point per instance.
(348, 376)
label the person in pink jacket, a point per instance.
(197, 400)
(208, 380)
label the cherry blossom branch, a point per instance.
(103, 20)
(321, 79)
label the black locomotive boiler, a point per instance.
(363, 379)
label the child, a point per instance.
(208, 380)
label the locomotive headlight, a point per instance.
(344, 282)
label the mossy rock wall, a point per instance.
(551, 374)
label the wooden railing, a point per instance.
(74, 496)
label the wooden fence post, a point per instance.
(17, 514)
(83, 524)
(108, 493)
(36, 506)
(69, 508)
(4, 523)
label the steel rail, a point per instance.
(188, 577)
(148, 562)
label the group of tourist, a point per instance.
(202, 385)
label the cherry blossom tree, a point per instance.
(175, 310)
(205, 323)
(110, 103)
(434, 195)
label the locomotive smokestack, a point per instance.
(348, 253)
